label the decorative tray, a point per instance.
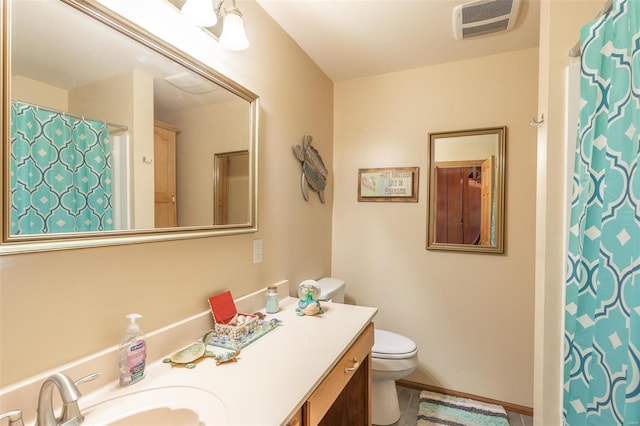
(240, 342)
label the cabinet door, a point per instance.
(344, 396)
(351, 407)
(164, 156)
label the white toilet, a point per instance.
(393, 357)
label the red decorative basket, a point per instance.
(224, 310)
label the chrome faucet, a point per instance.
(70, 394)
(15, 417)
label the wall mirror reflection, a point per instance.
(466, 191)
(112, 132)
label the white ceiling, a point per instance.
(349, 39)
(58, 45)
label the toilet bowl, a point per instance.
(393, 357)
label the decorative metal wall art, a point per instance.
(314, 173)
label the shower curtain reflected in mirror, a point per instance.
(60, 172)
(602, 309)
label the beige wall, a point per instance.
(34, 92)
(471, 315)
(202, 133)
(142, 138)
(559, 31)
(56, 307)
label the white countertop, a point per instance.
(275, 374)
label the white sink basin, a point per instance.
(163, 406)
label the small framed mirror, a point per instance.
(466, 190)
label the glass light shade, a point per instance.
(233, 36)
(200, 12)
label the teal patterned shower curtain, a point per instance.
(60, 172)
(602, 309)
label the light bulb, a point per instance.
(233, 36)
(200, 12)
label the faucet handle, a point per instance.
(88, 378)
(15, 417)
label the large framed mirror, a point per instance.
(110, 134)
(466, 190)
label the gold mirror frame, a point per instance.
(11, 244)
(463, 166)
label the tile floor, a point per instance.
(409, 400)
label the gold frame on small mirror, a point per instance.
(467, 190)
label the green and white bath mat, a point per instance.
(438, 409)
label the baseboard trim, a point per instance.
(514, 408)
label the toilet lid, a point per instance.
(388, 345)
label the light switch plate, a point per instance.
(257, 251)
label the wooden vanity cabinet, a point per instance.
(344, 396)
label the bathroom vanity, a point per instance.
(312, 370)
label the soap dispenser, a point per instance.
(133, 353)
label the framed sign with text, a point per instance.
(391, 184)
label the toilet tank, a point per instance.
(332, 289)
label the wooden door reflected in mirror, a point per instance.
(164, 165)
(231, 173)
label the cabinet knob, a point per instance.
(356, 364)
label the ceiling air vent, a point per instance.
(191, 83)
(483, 17)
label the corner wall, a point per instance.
(560, 24)
(470, 314)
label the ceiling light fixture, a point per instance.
(205, 13)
